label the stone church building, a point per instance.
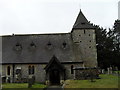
(49, 58)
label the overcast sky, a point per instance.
(53, 16)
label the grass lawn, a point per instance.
(22, 85)
(106, 81)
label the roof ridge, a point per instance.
(35, 34)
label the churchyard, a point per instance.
(106, 81)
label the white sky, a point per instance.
(53, 16)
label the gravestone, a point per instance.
(108, 70)
(103, 71)
(116, 70)
(31, 81)
(92, 75)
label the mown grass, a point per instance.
(22, 85)
(106, 81)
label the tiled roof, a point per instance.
(38, 48)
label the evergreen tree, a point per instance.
(106, 47)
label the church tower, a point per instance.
(83, 34)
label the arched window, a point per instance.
(31, 70)
(72, 69)
(8, 70)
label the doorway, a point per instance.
(55, 77)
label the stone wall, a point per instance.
(40, 74)
(68, 70)
(39, 71)
(86, 74)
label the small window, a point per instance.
(83, 23)
(32, 45)
(84, 31)
(90, 41)
(8, 70)
(80, 41)
(49, 44)
(72, 69)
(90, 47)
(64, 45)
(31, 70)
(79, 35)
(89, 34)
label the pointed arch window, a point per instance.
(8, 70)
(72, 69)
(31, 70)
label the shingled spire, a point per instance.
(82, 22)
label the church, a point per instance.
(49, 58)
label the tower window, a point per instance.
(8, 70)
(84, 31)
(90, 47)
(89, 34)
(49, 44)
(83, 23)
(32, 45)
(90, 41)
(64, 44)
